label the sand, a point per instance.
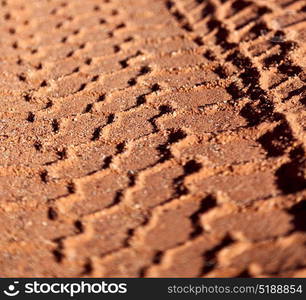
(152, 138)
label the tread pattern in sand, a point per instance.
(152, 138)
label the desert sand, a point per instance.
(152, 138)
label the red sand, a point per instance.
(152, 138)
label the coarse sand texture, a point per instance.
(143, 138)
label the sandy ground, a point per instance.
(152, 138)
